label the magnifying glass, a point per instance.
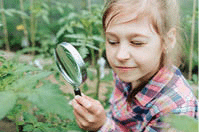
(71, 65)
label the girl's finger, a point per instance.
(91, 105)
(81, 121)
(81, 111)
(78, 107)
(83, 101)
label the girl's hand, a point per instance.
(89, 113)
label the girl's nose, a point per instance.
(123, 53)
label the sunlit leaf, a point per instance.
(75, 36)
(90, 75)
(28, 118)
(92, 46)
(7, 102)
(83, 52)
(85, 87)
(22, 14)
(45, 5)
(182, 123)
(28, 128)
(50, 98)
(31, 80)
(72, 15)
(25, 68)
(9, 13)
(60, 10)
(73, 126)
(98, 38)
(45, 18)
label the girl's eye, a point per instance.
(112, 42)
(137, 43)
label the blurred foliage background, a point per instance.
(35, 27)
(44, 23)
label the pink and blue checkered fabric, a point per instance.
(167, 92)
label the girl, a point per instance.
(143, 48)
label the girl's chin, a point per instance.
(127, 78)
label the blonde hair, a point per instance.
(163, 14)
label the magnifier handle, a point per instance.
(77, 91)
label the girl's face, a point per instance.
(133, 49)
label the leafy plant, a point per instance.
(18, 98)
(182, 123)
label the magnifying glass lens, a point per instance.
(67, 63)
(71, 65)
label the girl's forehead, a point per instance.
(129, 10)
(137, 25)
(125, 17)
(122, 19)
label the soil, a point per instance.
(7, 126)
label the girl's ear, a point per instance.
(171, 35)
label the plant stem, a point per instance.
(192, 40)
(24, 21)
(98, 81)
(98, 70)
(5, 27)
(93, 57)
(32, 25)
(89, 5)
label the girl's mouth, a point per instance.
(124, 68)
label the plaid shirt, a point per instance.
(166, 92)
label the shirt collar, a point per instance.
(155, 85)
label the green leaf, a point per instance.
(32, 80)
(92, 47)
(28, 128)
(49, 98)
(8, 12)
(21, 13)
(45, 18)
(47, 129)
(71, 16)
(61, 10)
(98, 38)
(195, 78)
(7, 102)
(2, 59)
(37, 130)
(182, 123)
(45, 6)
(83, 52)
(25, 68)
(69, 29)
(85, 87)
(73, 126)
(75, 36)
(28, 118)
(60, 32)
(108, 77)
(76, 44)
(90, 75)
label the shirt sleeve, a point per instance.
(110, 125)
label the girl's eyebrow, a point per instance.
(111, 34)
(133, 35)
